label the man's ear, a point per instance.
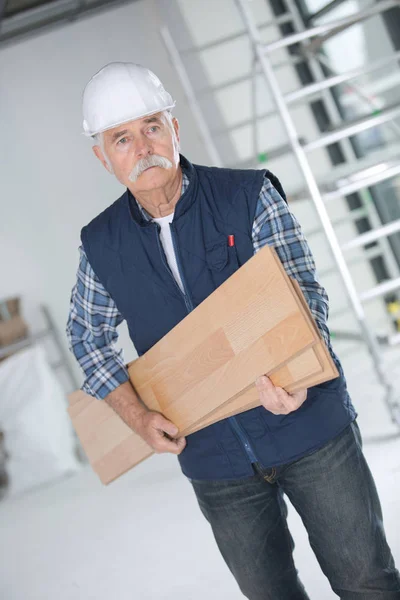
(102, 158)
(175, 123)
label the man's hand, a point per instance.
(159, 433)
(276, 400)
(155, 429)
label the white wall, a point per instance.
(51, 184)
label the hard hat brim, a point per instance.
(88, 133)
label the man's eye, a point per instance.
(153, 129)
(123, 141)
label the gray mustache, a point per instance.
(145, 163)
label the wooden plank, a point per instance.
(75, 397)
(304, 365)
(112, 449)
(248, 399)
(209, 363)
(129, 453)
(329, 370)
(238, 333)
(222, 385)
(112, 455)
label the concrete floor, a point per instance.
(143, 537)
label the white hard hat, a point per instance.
(122, 92)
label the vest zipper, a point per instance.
(188, 300)
(244, 439)
(189, 305)
(164, 259)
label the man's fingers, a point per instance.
(275, 399)
(163, 444)
(291, 401)
(264, 384)
(164, 425)
(181, 443)
(266, 391)
(301, 395)
(268, 396)
(286, 399)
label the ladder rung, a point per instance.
(349, 171)
(383, 85)
(308, 90)
(383, 340)
(244, 123)
(281, 20)
(340, 176)
(363, 124)
(272, 113)
(373, 175)
(249, 163)
(290, 62)
(352, 215)
(339, 24)
(369, 254)
(325, 9)
(381, 289)
(349, 184)
(372, 236)
(347, 335)
(316, 43)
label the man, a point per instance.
(153, 256)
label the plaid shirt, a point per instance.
(94, 317)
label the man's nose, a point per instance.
(143, 147)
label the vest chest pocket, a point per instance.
(222, 260)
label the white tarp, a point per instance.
(33, 416)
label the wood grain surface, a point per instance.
(204, 369)
(318, 372)
(252, 324)
(111, 448)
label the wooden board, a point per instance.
(248, 399)
(329, 370)
(318, 372)
(307, 364)
(252, 324)
(113, 448)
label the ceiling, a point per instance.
(13, 7)
(20, 19)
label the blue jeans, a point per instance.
(334, 493)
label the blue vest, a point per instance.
(125, 252)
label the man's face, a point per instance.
(130, 148)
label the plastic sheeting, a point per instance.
(33, 416)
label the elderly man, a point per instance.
(150, 258)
